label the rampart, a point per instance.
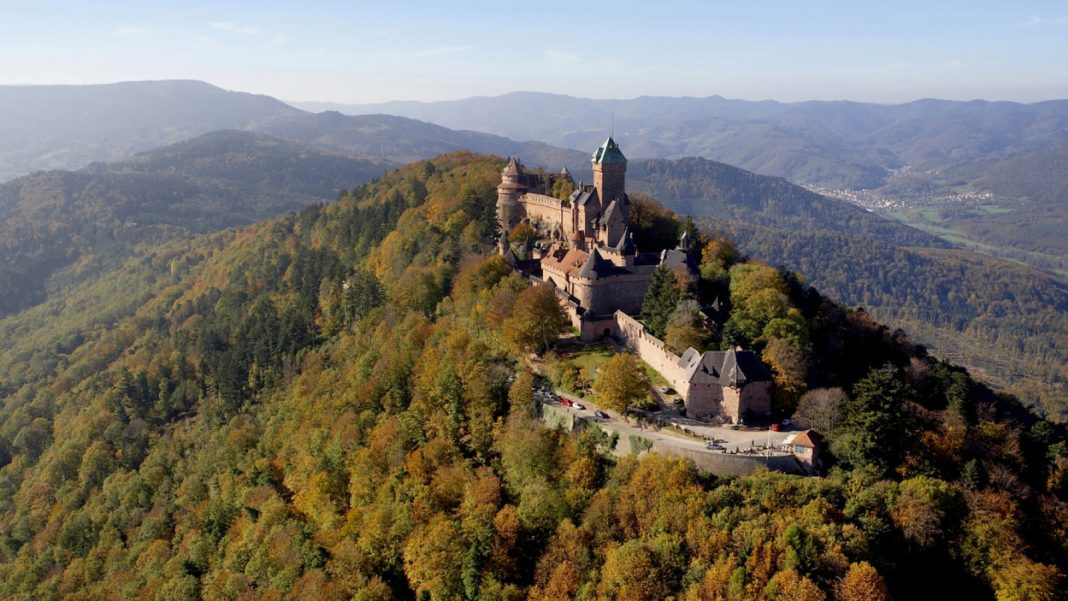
(651, 349)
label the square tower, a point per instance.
(609, 173)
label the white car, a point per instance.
(578, 405)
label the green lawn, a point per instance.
(591, 359)
(654, 376)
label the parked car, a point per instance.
(566, 402)
(600, 414)
(776, 427)
(666, 390)
(713, 445)
(578, 405)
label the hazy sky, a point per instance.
(356, 51)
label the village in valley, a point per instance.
(712, 406)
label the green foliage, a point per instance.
(874, 433)
(661, 299)
(240, 429)
(993, 316)
(621, 383)
(639, 444)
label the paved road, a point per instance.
(731, 439)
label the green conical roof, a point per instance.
(609, 153)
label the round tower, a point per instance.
(508, 192)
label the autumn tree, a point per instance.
(862, 583)
(788, 369)
(686, 327)
(920, 509)
(563, 188)
(537, 320)
(523, 233)
(821, 409)
(717, 256)
(621, 383)
(655, 228)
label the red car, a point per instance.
(775, 427)
(566, 402)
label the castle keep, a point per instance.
(599, 274)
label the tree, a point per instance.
(788, 366)
(862, 583)
(537, 320)
(523, 233)
(788, 585)
(685, 327)
(563, 188)
(874, 431)
(821, 409)
(660, 301)
(718, 255)
(521, 393)
(655, 228)
(920, 509)
(621, 383)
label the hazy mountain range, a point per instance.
(68, 127)
(840, 144)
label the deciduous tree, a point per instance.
(621, 383)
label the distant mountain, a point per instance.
(704, 188)
(1040, 176)
(1016, 208)
(838, 144)
(405, 140)
(65, 127)
(84, 220)
(68, 127)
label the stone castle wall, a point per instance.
(623, 292)
(707, 399)
(547, 210)
(651, 349)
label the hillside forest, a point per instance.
(336, 403)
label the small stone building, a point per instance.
(806, 447)
(733, 384)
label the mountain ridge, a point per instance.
(926, 133)
(68, 127)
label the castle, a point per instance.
(599, 274)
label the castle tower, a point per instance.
(508, 193)
(609, 173)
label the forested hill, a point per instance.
(1004, 320)
(334, 404)
(80, 221)
(1040, 176)
(68, 127)
(405, 140)
(704, 188)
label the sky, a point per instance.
(361, 52)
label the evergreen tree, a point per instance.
(660, 301)
(874, 433)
